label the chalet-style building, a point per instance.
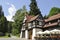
(34, 24)
(52, 22)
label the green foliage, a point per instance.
(3, 24)
(14, 29)
(0, 9)
(3, 21)
(45, 17)
(54, 11)
(34, 8)
(9, 26)
(18, 19)
(1, 12)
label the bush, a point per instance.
(2, 34)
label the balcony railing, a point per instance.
(52, 24)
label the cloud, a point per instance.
(11, 11)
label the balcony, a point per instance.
(52, 24)
(39, 25)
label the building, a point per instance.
(52, 22)
(34, 24)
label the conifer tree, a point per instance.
(3, 21)
(34, 8)
(1, 12)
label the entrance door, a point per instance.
(23, 34)
(30, 34)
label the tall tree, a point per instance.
(18, 19)
(54, 11)
(1, 12)
(34, 8)
(9, 26)
(3, 24)
(45, 17)
(3, 21)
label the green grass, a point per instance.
(17, 35)
(4, 37)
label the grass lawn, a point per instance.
(4, 37)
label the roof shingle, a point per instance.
(53, 17)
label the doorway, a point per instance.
(30, 34)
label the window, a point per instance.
(23, 34)
(24, 24)
(37, 22)
(23, 28)
(58, 20)
(31, 23)
(40, 23)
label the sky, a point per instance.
(11, 6)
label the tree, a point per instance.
(14, 29)
(18, 19)
(34, 8)
(54, 11)
(45, 17)
(3, 24)
(9, 26)
(1, 12)
(3, 21)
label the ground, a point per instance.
(9, 39)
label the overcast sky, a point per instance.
(10, 6)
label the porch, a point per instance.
(48, 35)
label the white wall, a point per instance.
(33, 34)
(21, 35)
(26, 34)
(35, 30)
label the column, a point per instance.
(33, 34)
(26, 34)
(21, 35)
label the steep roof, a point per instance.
(28, 17)
(31, 18)
(57, 16)
(53, 17)
(50, 25)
